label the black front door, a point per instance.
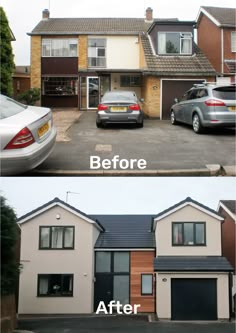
(103, 289)
(193, 299)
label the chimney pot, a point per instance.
(149, 14)
(46, 14)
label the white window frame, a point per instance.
(96, 56)
(233, 41)
(49, 45)
(183, 36)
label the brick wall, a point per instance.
(83, 51)
(151, 95)
(36, 62)
(8, 313)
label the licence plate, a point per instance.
(43, 129)
(118, 109)
(232, 108)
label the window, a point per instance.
(59, 47)
(174, 43)
(115, 262)
(96, 52)
(55, 285)
(189, 233)
(103, 262)
(121, 262)
(146, 284)
(62, 86)
(130, 81)
(233, 41)
(57, 237)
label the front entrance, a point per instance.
(92, 92)
(103, 289)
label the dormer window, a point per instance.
(189, 233)
(172, 43)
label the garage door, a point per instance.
(172, 89)
(193, 299)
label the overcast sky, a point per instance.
(111, 195)
(24, 15)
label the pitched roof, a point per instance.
(57, 26)
(56, 202)
(125, 231)
(185, 202)
(224, 17)
(196, 64)
(229, 206)
(192, 263)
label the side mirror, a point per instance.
(176, 100)
(141, 100)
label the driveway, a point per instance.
(166, 148)
(118, 324)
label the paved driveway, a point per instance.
(120, 325)
(163, 146)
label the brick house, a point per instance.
(157, 261)
(21, 80)
(217, 39)
(76, 60)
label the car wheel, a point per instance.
(140, 125)
(99, 124)
(197, 125)
(172, 118)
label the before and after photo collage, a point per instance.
(118, 165)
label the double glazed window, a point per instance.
(233, 41)
(55, 285)
(189, 233)
(117, 262)
(56, 237)
(130, 81)
(96, 52)
(146, 284)
(174, 43)
(58, 47)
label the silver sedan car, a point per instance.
(27, 136)
(119, 106)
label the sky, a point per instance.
(115, 195)
(24, 15)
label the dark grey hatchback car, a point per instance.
(206, 105)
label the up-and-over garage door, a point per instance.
(193, 299)
(172, 89)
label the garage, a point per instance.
(193, 299)
(172, 89)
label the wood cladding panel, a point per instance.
(141, 263)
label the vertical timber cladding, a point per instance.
(141, 262)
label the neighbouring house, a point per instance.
(76, 60)
(217, 39)
(170, 263)
(227, 208)
(21, 80)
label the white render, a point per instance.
(78, 261)
(122, 52)
(163, 292)
(188, 213)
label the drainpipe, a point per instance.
(222, 51)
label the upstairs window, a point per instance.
(233, 41)
(96, 52)
(189, 233)
(56, 237)
(59, 47)
(171, 43)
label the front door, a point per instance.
(103, 289)
(92, 92)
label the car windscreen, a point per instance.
(119, 97)
(226, 93)
(9, 107)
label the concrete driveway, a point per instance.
(120, 324)
(168, 150)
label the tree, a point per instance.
(29, 97)
(9, 236)
(6, 57)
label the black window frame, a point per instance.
(194, 233)
(50, 237)
(112, 262)
(130, 81)
(55, 295)
(141, 284)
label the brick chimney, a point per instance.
(46, 14)
(149, 17)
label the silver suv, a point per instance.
(206, 105)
